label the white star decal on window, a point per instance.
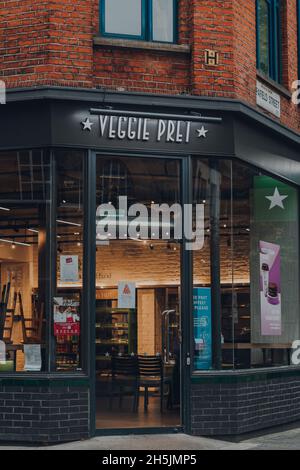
(276, 200)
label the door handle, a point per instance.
(188, 359)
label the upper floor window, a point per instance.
(148, 20)
(268, 32)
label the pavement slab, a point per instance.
(285, 439)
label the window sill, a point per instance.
(276, 86)
(134, 44)
(40, 379)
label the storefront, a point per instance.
(182, 319)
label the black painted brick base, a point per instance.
(237, 408)
(43, 414)
(50, 412)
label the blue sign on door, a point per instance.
(202, 328)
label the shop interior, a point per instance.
(23, 221)
(22, 308)
(137, 348)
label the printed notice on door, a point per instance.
(69, 271)
(33, 357)
(126, 294)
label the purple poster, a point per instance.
(270, 289)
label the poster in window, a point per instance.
(274, 221)
(270, 289)
(66, 317)
(202, 328)
(126, 294)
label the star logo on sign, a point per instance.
(276, 200)
(87, 125)
(202, 132)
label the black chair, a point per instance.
(151, 375)
(31, 327)
(2, 320)
(124, 380)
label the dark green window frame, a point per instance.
(147, 21)
(273, 66)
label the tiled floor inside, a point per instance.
(124, 417)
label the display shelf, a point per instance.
(112, 341)
(116, 326)
(236, 325)
(67, 353)
(116, 331)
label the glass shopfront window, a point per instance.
(24, 217)
(257, 242)
(265, 268)
(67, 309)
(202, 191)
(36, 207)
(138, 318)
(245, 265)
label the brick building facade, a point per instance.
(58, 43)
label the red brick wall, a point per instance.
(141, 71)
(46, 42)
(144, 71)
(212, 28)
(23, 41)
(245, 56)
(290, 113)
(70, 42)
(245, 50)
(50, 42)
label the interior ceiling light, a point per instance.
(68, 223)
(13, 242)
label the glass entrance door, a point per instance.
(138, 320)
